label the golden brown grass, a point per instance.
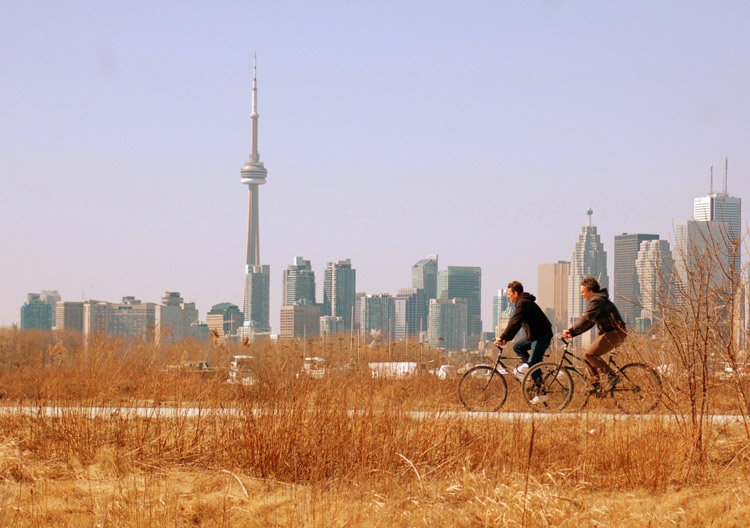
(340, 451)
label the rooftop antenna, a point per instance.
(726, 170)
(711, 190)
(589, 212)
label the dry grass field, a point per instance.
(344, 450)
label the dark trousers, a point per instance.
(537, 346)
(606, 342)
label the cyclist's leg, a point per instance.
(604, 344)
(521, 348)
(538, 347)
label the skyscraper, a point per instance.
(587, 260)
(257, 278)
(720, 207)
(626, 294)
(424, 276)
(339, 287)
(654, 268)
(299, 282)
(464, 282)
(552, 296)
(299, 320)
(174, 318)
(447, 326)
(410, 317)
(36, 313)
(377, 315)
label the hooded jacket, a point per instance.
(529, 316)
(601, 312)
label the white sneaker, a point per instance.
(541, 398)
(520, 371)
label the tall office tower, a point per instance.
(174, 317)
(223, 320)
(626, 294)
(95, 317)
(720, 207)
(132, 318)
(35, 313)
(378, 314)
(464, 282)
(69, 315)
(52, 297)
(424, 276)
(447, 323)
(339, 289)
(299, 320)
(552, 296)
(654, 270)
(256, 299)
(588, 260)
(500, 304)
(410, 317)
(702, 258)
(299, 282)
(358, 309)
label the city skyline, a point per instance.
(139, 140)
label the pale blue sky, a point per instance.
(480, 131)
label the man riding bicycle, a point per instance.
(538, 329)
(604, 314)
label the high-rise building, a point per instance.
(339, 287)
(378, 314)
(703, 258)
(256, 299)
(51, 297)
(464, 282)
(552, 296)
(410, 317)
(299, 320)
(69, 315)
(500, 304)
(447, 323)
(131, 318)
(299, 282)
(35, 313)
(626, 294)
(223, 320)
(720, 207)
(424, 276)
(174, 317)
(587, 260)
(654, 269)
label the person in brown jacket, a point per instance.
(604, 314)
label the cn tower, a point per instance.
(257, 277)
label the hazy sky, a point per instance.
(480, 131)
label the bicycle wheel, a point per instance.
(639, 389)
(581, 391)
(547, 387)
(482, 388)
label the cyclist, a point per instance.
(604, 314)
(538, 329)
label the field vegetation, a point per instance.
(347, 449)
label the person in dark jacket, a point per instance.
(537, 327)
(604, 314)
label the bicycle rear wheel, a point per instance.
(581, 391)
(482, 388)
(547, 387)
(639, 389)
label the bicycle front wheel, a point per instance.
(638, 390)
(482, 388)
(547, 387)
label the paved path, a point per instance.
(196, 412)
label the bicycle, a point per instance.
(636, 387)
(483, 387)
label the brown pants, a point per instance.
(604, 343)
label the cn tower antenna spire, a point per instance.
(254, 155)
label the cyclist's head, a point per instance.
(515, 286)
(591, 284)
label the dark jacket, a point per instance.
(601, 312)
(530, 316)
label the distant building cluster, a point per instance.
(441, 307)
